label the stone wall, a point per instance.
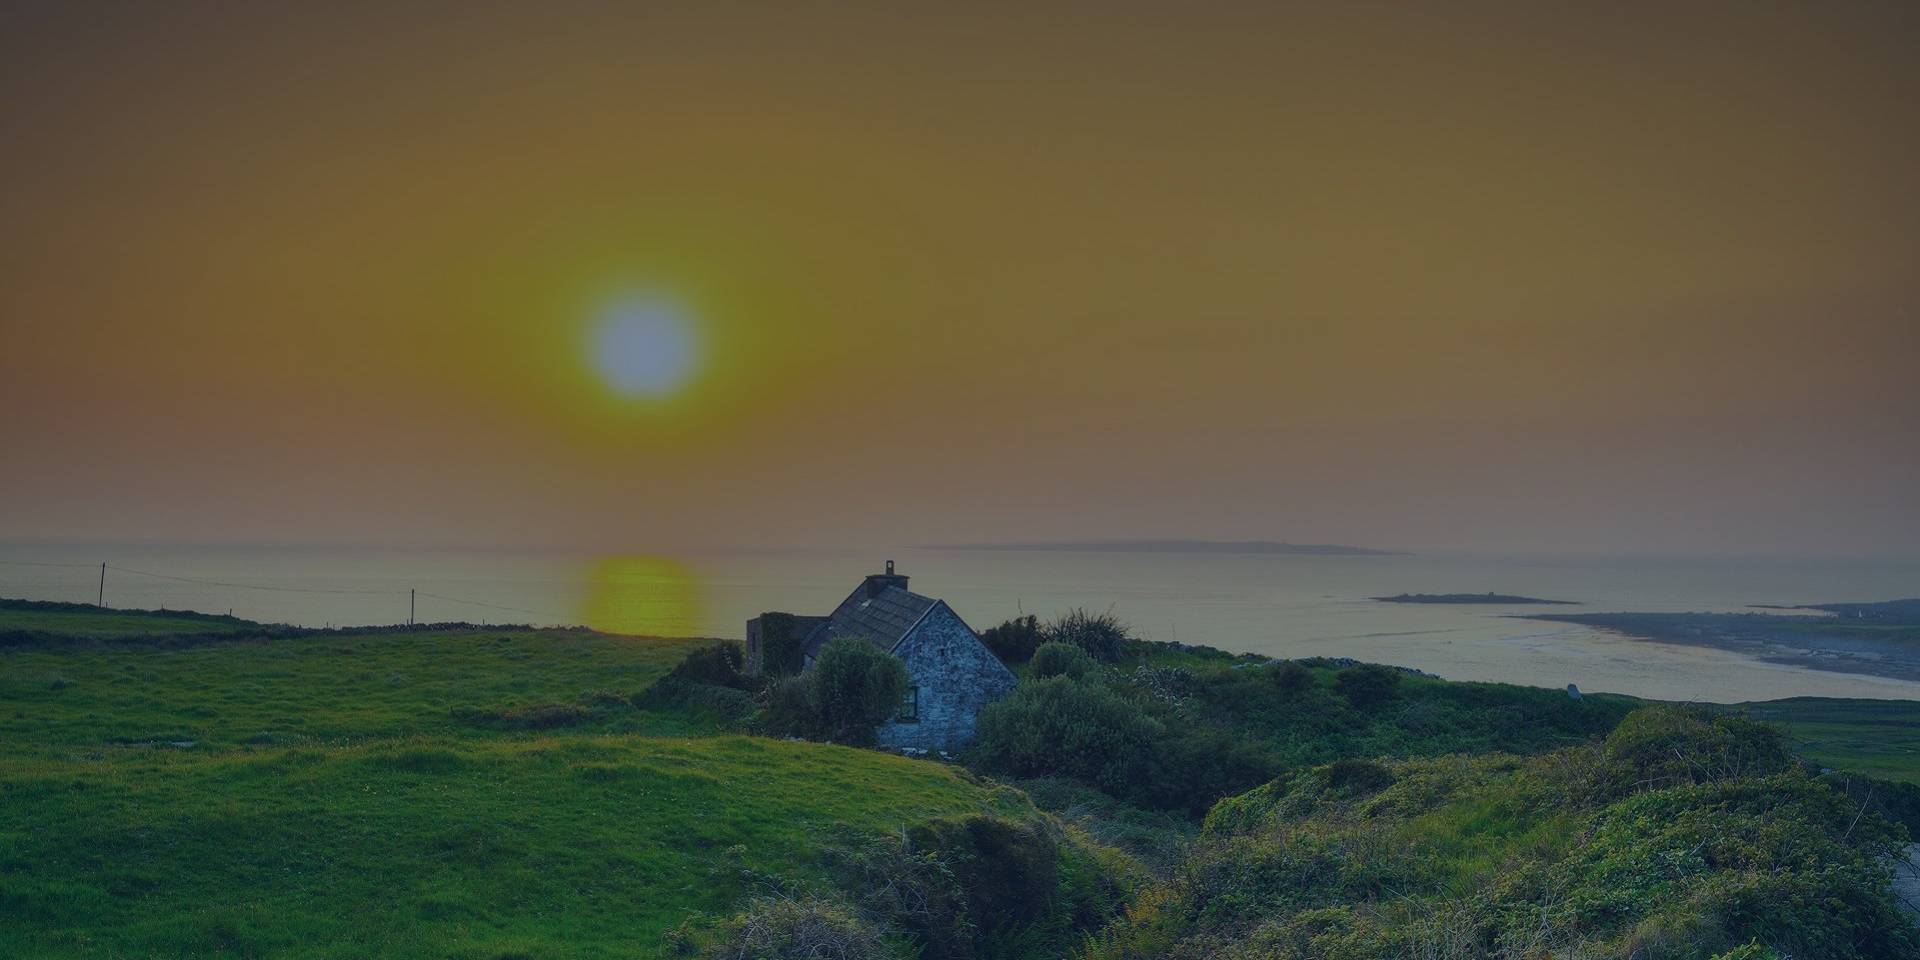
(956, 675)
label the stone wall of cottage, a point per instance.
(956, 675)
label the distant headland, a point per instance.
(1488, 597)
(1182, 546)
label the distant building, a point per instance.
(953, 674)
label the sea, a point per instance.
(1275, 604)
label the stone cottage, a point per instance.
(953, 674)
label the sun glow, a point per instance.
(644, 347)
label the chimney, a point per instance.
(877, 583)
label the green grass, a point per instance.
(80, 620)
(323, 689)
(578, 846)
(1875, 738)
(338, 799)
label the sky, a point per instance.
(1635, 278)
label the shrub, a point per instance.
(789, 710)
(1194, 767)
(1016, 640)
(718, 665)
(1101, 635)
(708, 680)
(910, 885)
(1061, 727)
(1367, 686)
(1358, 778)
(1660, 747)
(1007, 869)
(1054, 659)
(853, 687)
(803, 929)
(1289, 677)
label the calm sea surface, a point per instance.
(1281, 605)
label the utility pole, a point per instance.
(101, 600)
(409, 608)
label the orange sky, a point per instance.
(1484, 276)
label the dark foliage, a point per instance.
(1062, 727)
(718, 665)
(1682, 837)
(707, 681)
(1101, 635)
(1014, 641)
(853, 687)
(1289, 677)
(1367, 686)
(1054, 659)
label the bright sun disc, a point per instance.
(644, 348)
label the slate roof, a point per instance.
(881, 619)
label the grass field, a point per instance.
(495, 794)
(1876, 738)
(325, 689)
(331, 796)
(78, 620)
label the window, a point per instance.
(910, 707)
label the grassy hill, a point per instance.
(455, 793)
(20, 619)
(198, 786)
(1680, 837)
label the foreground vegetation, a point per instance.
(1680, 837)
(513, 793)
(470, 793)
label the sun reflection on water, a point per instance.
(644, 596)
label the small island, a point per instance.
(1464, 598)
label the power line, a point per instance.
(205, 581)
(253, 586)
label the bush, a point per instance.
(1014, 641)
(903, 883)
(1055, 659)
(1061, 727)
(1367, 686)
(1358, 778)
(1101, 635)
(1008, 869)
(1289, 677)
(804, 929)
(1659, 747)
(788, 711)
(718, 665)
(708, 680)
(853, 687)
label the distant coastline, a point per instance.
(1875, 639)
(1181, 546)
(1489, 597)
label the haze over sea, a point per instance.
(1281, 605)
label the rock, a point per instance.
(1573, 692)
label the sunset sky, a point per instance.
(1473, 276)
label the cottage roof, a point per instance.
(881, 619)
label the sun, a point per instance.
(644, 347)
